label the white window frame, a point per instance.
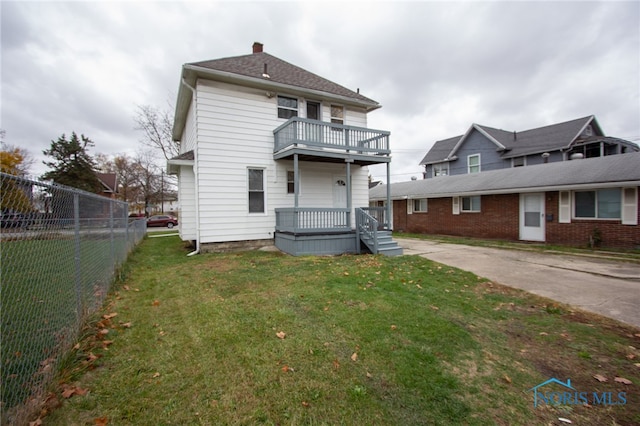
(419, 205)
(524, 161)
(335, 119)
(596, 205)
(292, 182)
(469, 166)
(263, 191)
(472, 208)
(439, 168)
(287, 108)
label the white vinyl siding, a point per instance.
(235, 132)
(187, 219)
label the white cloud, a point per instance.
(436, 67)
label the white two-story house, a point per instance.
(272, 153)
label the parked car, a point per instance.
(15, 220)
(162, 220)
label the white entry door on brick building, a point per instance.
(532, 217)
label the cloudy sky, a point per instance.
(435, 67)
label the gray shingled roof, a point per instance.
(598, 171)
(533, 141)
(279, 71)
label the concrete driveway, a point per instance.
(604, 286)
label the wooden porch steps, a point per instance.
(386, 245)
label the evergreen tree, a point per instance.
(72, 165)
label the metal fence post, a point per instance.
(78, 265)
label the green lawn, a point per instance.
(367, 340)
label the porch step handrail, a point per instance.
(366, 227)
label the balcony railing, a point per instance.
(320, 134)
(312, 220)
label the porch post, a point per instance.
(388, 196)
(349, 189)
(296, 178)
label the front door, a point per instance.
(532, 217)
(314, 131)
(340, 192)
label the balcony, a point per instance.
(315, 140)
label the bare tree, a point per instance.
(156, 126)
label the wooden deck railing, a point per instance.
(312, 220)
(320, 134)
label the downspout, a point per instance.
(195, 170)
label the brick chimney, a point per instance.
(257, 47)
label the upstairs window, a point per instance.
(337, 115)
(441, 169)
(473, 163)
(287, 107)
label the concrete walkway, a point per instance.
(604, 286)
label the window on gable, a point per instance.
(420, 205)
(473, 163)
(441, 169)
(287, 107)
(600, 204)
(471, 204)
(518, 162)
(291, 182)
(256, 190)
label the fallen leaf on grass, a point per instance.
(600, 378)
(156, 303)
(623, 380)
(109, 316)
(125, 324)
(286, 368)
(393, 326)
(507, 379)
(156, 375)
(305, 404)
(435, 308)
(631, 356)
(637, 364)
(92, 357)
(281, 334)
(36, 422)
(336, 364)
(101, 421)
(104, 331)
(69, 391)
(354, 357)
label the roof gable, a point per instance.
(527, 142)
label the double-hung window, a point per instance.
(256, 190)
(599, 204)
(287, 107)
(473, 163)
(337, 115)
(291, 182)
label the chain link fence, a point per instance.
(59, 251)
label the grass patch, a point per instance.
(368, 340)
